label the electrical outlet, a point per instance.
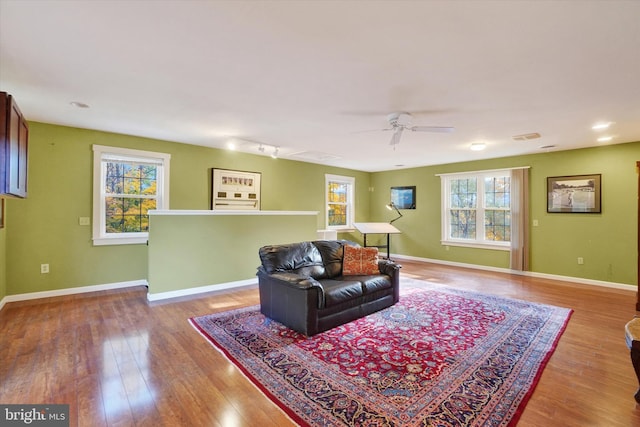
(580, 260)
(535, 222)
(44, 268)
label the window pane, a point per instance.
(127, 215)
(148, 172)
(130, 178)
(131, 170)
(148, 186)
(497, 192)
(338, 192)
(147, 205)
(113, 182)
(463, 224)
(463, 193)
(497, 226)
(114, 204)
(131, 186)
(337, 214)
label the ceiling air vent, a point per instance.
(526, 136)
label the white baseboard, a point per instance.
(200, 289)
(119, 285)
(71, 291)
(247, 282)
(580, 280)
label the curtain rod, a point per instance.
(483, 171)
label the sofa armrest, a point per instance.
(388, 267)
(392, 270)
(291, 299)
(295, 280)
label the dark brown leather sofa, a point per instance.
(302, 286)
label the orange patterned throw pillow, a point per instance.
(359, 261)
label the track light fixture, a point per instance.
(242, 144)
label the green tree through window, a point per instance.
(130, 192)
(337, 203)
(127, 184)
(339, 198)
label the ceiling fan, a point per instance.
(401, 121)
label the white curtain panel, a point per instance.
(520, 219)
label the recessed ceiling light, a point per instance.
(601, 126)
(605, 139)
(79, 104)
(478, 146)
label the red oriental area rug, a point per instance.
(439, 357)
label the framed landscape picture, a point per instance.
(404, 197)
(574, 194)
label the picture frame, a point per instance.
(404, 197)
(574, 194)
(235, 190)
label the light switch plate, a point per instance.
(84, 220)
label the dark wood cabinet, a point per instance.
(14, 141)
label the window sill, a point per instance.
(495, 247)
(106, 241)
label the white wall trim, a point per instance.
(200, 289)
(120, 285)
(71, 291)
(179, 212)
(247, 282)
(579, 280)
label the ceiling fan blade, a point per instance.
(395, 138)
(440, 129)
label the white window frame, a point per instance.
(479, 241)
(351, 187)
(101, 153)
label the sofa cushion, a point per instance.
(301, 258)
(372, 284)
(360, 261)
(339, 291)
(332, 253)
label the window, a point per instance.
(476, 209)
(340, 205)
(127, 184)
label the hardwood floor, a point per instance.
(119, 360)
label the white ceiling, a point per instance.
(311, 76)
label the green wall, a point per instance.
(606, 241)
(185, 251)
(44, 227)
